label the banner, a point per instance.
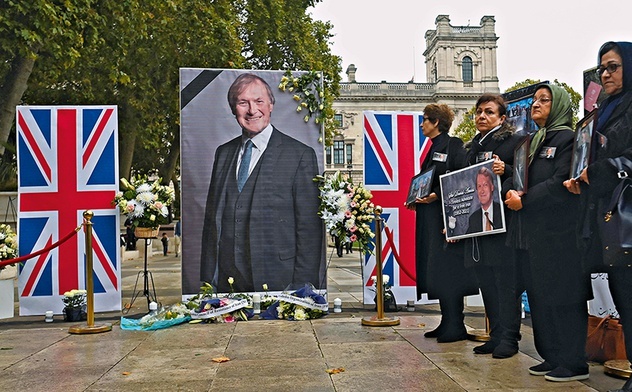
(394, 149)
(67, 163)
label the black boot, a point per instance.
(627, 387)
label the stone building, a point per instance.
(460, 66)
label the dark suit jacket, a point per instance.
(285, 233)
(476, 220)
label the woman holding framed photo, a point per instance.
(440, 269)
(612, 137)
(542, 232)
(491, 259)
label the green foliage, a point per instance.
(466, 130)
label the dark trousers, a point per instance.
(559, 331)
(620, 283)
(452, 318)
(501, 289)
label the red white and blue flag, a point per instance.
(394, 149)
(67, 164)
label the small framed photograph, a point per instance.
(521, 166)
(582, 143)
(519, 108)
(420, 185)
(472, 205)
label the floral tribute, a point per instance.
(163, 318)
(227, 309)
(347, 210)
(75, 305)
(308, 92)
(8, 243)
(144, 202)
(302, 304)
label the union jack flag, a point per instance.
(67, 163)
(394, 149)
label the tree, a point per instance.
(466, 130)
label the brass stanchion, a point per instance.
(380, 320)
(480, 335)
(618, 367)
(90, 327)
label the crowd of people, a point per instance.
(552, 243)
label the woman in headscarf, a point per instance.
(440, 269)
(491, 259)
(612, 137)
(542, 232)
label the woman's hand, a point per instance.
(572, 185)
(428, 199)
(498, 167)
(584, 176)
(513, 200)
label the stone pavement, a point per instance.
(265, 355)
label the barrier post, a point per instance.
(379, 320)
(90, 327)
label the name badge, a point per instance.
(602, 140)
(547, 152)
(439, 157)
(484, 156)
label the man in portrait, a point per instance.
(261, 224)
(489, 216)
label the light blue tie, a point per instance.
(242, 175)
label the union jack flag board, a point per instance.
(394, 149)
(67, 164)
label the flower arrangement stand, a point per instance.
(149, 289)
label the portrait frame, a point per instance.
(582, 143)
(420, 185)
(461, 207)
(519, 108)
(521, 166)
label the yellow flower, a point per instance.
(231, 280)
(306, 118)
(265, 286)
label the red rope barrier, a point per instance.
(4, 263)
(389, 237)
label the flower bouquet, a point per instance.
(227, 309)
(165, 317)
(303, 304)
(75, 305)
(390, 303)
(8, 248)
(144, 203)
(347, 210)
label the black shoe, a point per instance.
(449, 337)
(627, 387)
(541, 369)
(486, 348)
(506, 349)
(435, 333)
(561, 374)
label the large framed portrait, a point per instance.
(472, 204)
(582, 143)
(519, 108)
(521, 166)
(420, 185)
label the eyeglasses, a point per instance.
(611, 68)
(542, 100)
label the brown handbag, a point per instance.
(605, 339)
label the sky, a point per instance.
(537, 39)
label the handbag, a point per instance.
(604, 341)
(616, 225)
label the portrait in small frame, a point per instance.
(521, 166)
(420, 185)
(519, 108)
(582, 143)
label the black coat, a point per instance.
(491, 249)
(439, 265)
(603, 178)
(545, 226)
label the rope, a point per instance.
(4, 263)
(389, 237)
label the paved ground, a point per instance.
(265, 355)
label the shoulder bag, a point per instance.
(605, 340)
(615, 223)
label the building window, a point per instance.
(349, 148)
(339, 152)
(338, 120)
(467, 69)
(328, 155)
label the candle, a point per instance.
(337, 305)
